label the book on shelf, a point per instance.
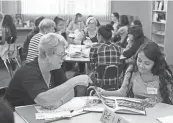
(121, 105)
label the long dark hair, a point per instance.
(8, 23)
(160, 68)
(37, 22)
(124, 20)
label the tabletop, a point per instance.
(77, 53)
(159, 110)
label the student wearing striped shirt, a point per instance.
(45, 26)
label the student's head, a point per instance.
(38, 20)
(52, 49)
(8, 21)
(134, 33)
(60, 25)
(104, 33)
(136, 23)
(6, 113)
(124, 20)
(1, 16)
(47, 26)
(150, 59)
(78, 18)
(115, 17)
(91, 23)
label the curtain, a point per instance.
(67, 8)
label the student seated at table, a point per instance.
(6, 113)
(135, 40)
(89, 34)
(45, 26)
(115, 21)
(34, 31)
(136, 23)
(148, 78)
(60, 27)
(77, 24)
(37, 81)
(115, 24)
(98, 23)
(123, 30)
(104, 53)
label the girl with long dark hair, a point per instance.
(149, 78)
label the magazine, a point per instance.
(122, 105)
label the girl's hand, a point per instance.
(150, 102)
(99, 91)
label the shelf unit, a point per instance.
(159, 16)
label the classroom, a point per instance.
(91, 61)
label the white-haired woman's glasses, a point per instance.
(62, 55)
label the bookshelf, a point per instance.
(159, 21)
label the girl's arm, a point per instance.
(70, 27)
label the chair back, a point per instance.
(11, 40)
(111, 72)
(107, 76)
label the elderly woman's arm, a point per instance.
(126, 85)
(61, 94)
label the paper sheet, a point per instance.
(74, 104)
(167, 119)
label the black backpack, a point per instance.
(9, 38)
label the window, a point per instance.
(66, 7)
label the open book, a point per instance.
(122, 105)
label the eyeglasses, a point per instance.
(61, 55)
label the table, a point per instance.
(160, 110)
(78, 48)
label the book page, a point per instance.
(131, 105)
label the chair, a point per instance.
(2, 91)
(10, 53)
(108, 78)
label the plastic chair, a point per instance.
(10, 53)
(107, 72)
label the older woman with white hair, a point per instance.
(34, 83)
(89, 34)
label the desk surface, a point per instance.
(72, 49)
(160, 110)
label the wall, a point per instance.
(11, 7)
(141, 9)
(169, 35)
